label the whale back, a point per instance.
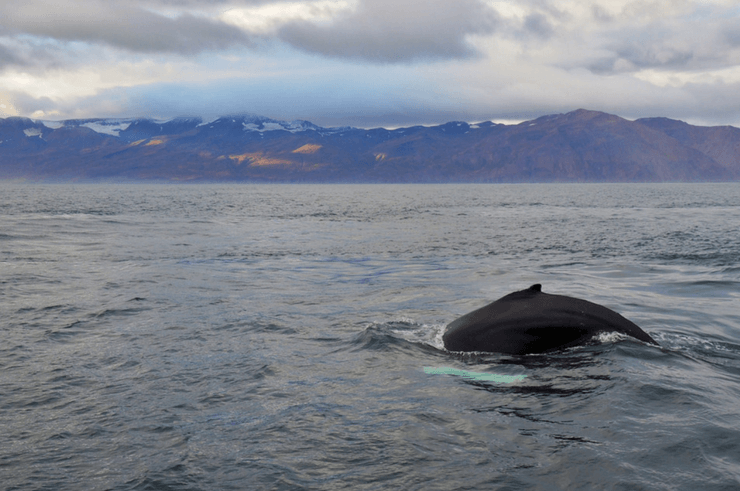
(531, 321)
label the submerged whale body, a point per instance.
(530, 321)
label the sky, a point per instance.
(370, 63)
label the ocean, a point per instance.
(288, 337)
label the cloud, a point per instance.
(371, 62)
(391, 31)
(333, 94)
(8, 57)
(688, 36)
(7, 108)
(385, 31)
(31, 55)
(121, 25)
(537, 24)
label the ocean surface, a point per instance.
(281, 337)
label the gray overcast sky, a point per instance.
(370, 62)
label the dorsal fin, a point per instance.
(535, 288)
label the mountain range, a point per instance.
(579, 146)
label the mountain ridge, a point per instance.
(578, 146)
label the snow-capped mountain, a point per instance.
(577, 146)
(136, 128)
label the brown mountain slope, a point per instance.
(588, 146)
(580, 146)
(720, 143)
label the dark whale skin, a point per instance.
(531, 321)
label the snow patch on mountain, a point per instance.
(53, 125)
(110, 127)
(121, 127)
(262, 124)
(265, 126)
(208, 121)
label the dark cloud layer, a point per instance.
(538, 25)
(120, 25)
(9, 58)
(381, 31)
(391, 31)
(384, 31)
(32, 56)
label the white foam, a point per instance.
(610, 337)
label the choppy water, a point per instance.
(276, 337)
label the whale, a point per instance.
(532, 322)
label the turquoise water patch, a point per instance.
(477, 376)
